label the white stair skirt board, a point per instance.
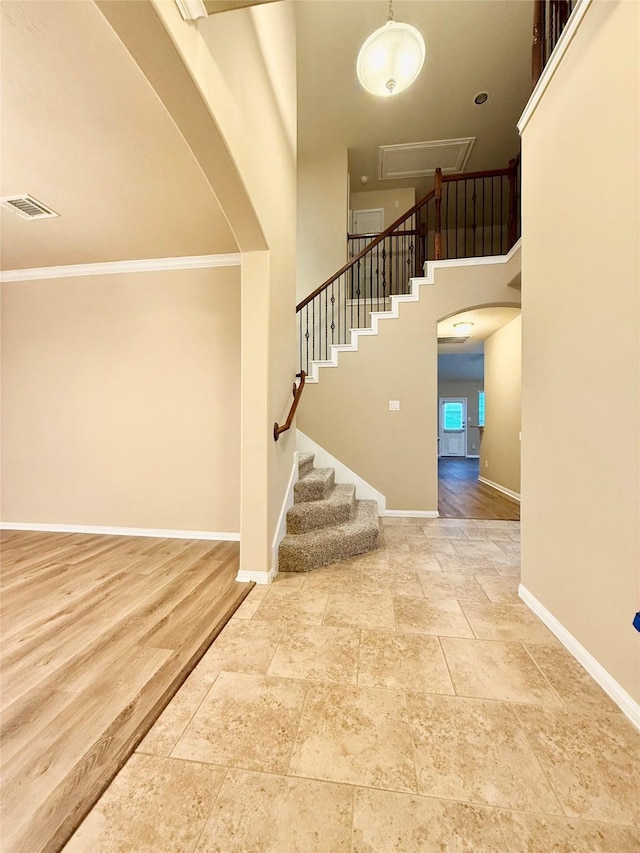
(500, 488)
(430, 268)
(364, 491)
(159, 532)
(413, 513)
(610, 686)
(281, 529)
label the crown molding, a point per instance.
(192, 262)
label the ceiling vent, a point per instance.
(28, 207)
(421, 159)
(453, 340)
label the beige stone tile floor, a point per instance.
(401, 701)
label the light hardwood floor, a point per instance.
(460, 495)
(98, 633)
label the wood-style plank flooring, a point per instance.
(460, 495)
(98, 633)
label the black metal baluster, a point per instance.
(493, 216)
(358, 293)
(306, 309)
(333, 305)
(501, 214)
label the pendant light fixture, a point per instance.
(391, 58)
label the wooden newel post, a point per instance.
(512, 225)
(438, 200)
(537, 49)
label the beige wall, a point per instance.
(394, 202)
(469, 389)
(322, 218)
(229, 83)
(347, 413)
(580, 369)
(500, 443)
(121, 400)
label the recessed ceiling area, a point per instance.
(471, 47)
(83, 131)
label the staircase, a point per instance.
(326, 523)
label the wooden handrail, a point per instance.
(464, 176)
(361, 254)
(297, 393)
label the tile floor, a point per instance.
(405, 700)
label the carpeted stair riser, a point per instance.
(326, 522)
(317, 485)
(306, 551)
(338, 508)
(305, 464)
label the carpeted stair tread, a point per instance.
(316, 485)
(311, 515)
(306, 551)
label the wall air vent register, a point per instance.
(27, 207)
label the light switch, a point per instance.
(394, 405)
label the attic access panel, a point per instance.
(421, 159)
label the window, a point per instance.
(453, 416)
(481, 408)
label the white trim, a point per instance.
(414, 296)
(364, 490)
(413, 513)
(472, 455)
(287, 503)
(500, 488)
(623, 700)
(191, 10)
(246, 576)
(193, 262)
(556, 58)
(102, 530)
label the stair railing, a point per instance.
(549, 20)
(467, 215)
(297, 393)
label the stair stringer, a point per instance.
(430, 270)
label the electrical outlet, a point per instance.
(486, 463)
(394, 405)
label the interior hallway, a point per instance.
(405, 700)
(460, 495)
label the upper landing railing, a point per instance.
(549, 20)
(464, 216)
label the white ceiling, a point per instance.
(485, 321)
(472, 46)
(460, 362)
(83, 132)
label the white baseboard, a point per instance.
(101, 530)
(500, 488)
(623, 700)
(364, 491)
(287, 503)
(246, 576)
(413, 513)
(472, 456)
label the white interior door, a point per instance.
(453, 426)
(368, 221)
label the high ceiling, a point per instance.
(83, 132)
(472, 46)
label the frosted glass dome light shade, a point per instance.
(391, 59)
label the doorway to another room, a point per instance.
(478, 444)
